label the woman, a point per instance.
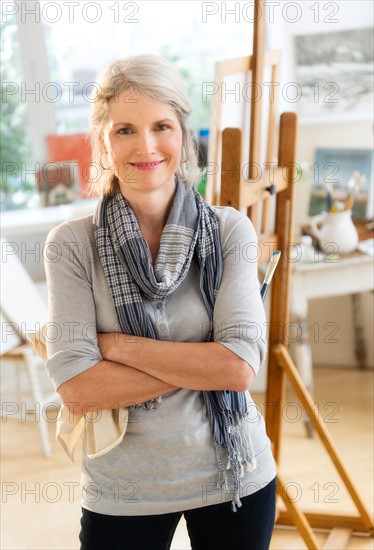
(159, 311)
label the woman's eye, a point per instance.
(162, 127)
(125, 131)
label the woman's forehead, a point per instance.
(135, 106)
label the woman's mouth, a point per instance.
(147, 165)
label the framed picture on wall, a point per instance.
(334, 174)
(334, 72)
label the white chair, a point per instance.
(23, 309)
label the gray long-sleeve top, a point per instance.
(166, 461)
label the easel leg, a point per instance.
(303, 360)
(359, 332)
(299, 518)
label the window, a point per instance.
(80, 40)
(17, 183)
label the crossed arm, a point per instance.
(125, 372)
(135, 370)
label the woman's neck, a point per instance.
(151, 209)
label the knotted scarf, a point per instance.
(191, 231)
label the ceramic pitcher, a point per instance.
(335, 228)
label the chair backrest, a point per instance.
(23, 308)
(58, 182)
(66, 147)
(10, 339)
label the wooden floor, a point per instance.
(40, 498)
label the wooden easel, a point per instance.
(275, 188)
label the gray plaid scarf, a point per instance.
(191, 230)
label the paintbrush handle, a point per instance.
(269, 273)
(349, 202)
(264, 291)
(328, 201)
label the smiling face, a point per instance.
(143, 141)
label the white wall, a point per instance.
(347, 14)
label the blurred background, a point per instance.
(51, 54)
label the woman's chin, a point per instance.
(147, 184)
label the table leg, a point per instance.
(303, 360)
(359, 331)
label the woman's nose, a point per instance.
(146, 143)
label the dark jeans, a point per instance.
(213, 527)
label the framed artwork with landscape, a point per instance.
(335, 72)
(340, 176)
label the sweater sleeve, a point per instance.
(71, 330)
(239, 317)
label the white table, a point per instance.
(27, 230)
(347, 275)
(19, 223)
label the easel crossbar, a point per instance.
(319, 520)
(238, 190)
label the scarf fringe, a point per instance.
(240, 455)
(151, 405)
